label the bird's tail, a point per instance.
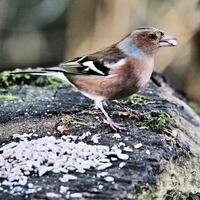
(56, 72)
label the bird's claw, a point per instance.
(113, 125)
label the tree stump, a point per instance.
(156, 157)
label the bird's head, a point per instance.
(145, 41)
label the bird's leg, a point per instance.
(108, 120)
(96, 106)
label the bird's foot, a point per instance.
(113, 125)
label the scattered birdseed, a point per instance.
(49, 154)
(22, 136)
(43, 170)
(137, 146)
(148, 152)
(67, 177)
(68, 195)
(123, 156)
(16, 190)
(100, 187)
(102, 174)
(32, 190)
(121, 144)
(104, 166)
(128, 149)
(53, 195)
(63, 189)
(113, 158)
(109, 179)
(116, 136)
(115, 150)
(84, 135)
(76, 195)
(30, 185)
(122, 164)
(95, 138)
(70, 137)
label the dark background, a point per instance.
(47, 32)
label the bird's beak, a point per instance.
(167, 41)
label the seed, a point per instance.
(109, 179)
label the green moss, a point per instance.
(195, 107)
(7, 80)
(74, 121)
(53, 82)
(137, 100)
(8, 98)
(154, 120)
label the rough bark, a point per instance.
(157, 117)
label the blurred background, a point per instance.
(47, 32)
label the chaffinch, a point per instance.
(116, 71)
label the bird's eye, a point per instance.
(152, 36)
(161, 33)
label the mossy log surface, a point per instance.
(157, 117)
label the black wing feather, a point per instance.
(85, 65)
